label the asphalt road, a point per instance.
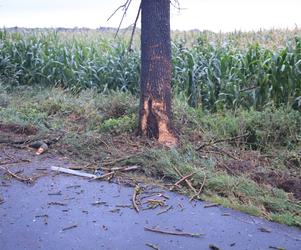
(68, 212)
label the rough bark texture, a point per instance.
(155, 98)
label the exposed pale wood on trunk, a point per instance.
(155, 98)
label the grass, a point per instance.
(101, 126)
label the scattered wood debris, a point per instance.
(213, 142)
(165, 210)
(124, 206)
(73, 186)
(152, 203)
(44, 216)
(115, 210)
(14, 161)
(200, 190)
(1, 200)
(292, 237)
(264, 230)
(213, 247)
(108, 175)
(56, 193)
(155, 194)
(152, 246)
(56, 203)
(277, 248)
(178, 233)
(211, 205)
(70, 227)
(122, 169)
(19, 177)
(226, 214)
(186, 180)
(137, 191)
(98, 203)
(113, 162)
(41, 169)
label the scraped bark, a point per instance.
(155, 114)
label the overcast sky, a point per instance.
(215, 15)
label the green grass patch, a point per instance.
(100, 127)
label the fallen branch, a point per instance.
(108, 163)
(181, 180)
(227, 153)
(152, 246)
(13, 162)
(56, 193)
(152, 204)
(122, 169)
(56, 203)
(264, 230)
(18, 177)
(187, 181)
(109, 175)
(211, 205)
(200, 190)
(211, 143)
(156, 230)
(137, 190)
(70, 227)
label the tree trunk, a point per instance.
(155, 90)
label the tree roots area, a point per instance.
(248, 160)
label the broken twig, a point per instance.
(137, 190)
(186, 180)
(156, 230)
(56, 203)
(211, 143)
(200, 190)
(152, 246)
(70, 227)
(211, 205)
(18, 177)
(165, 210)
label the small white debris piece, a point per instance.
(73, 172)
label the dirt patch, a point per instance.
(292, 185)
(280, 180)
(18, 129)
(257, 171)
(238, 167)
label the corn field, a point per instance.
(234, 71)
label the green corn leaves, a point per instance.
(214, 74)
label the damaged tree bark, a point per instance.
(156, 71)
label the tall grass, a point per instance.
(215, 71)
